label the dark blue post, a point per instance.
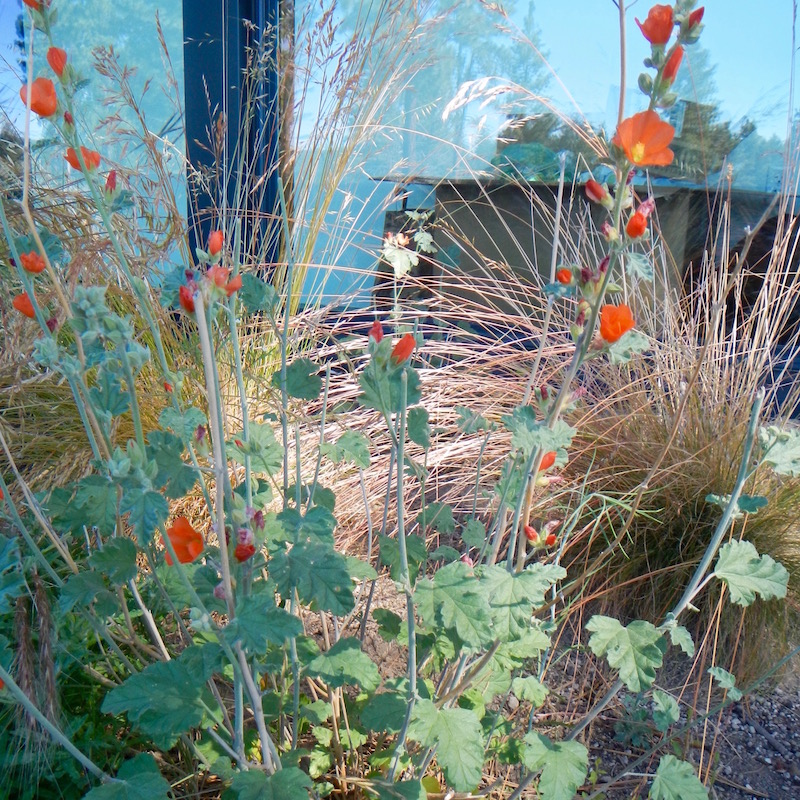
(215, 40)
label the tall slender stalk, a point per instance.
(405, 580)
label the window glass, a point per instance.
(543, 74)
(130, 56)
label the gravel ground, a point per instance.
(754, 745)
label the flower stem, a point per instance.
(405, 580)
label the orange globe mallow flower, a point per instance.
(615, 322)
(645, 139)
(657, 28)
(219, 277)
(90, 157)
(57, 59)
(186, 541)
(32, 262)
(43, 97)
(24, 305)
(36, 5)
(637, 225)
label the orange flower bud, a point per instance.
(24, 305)
(595, 191)
(564, 276)
(90, 157)
(548, 459)
(696, 17)
(215, 242)
(403, 349)
(36, 5)
(531, 534)
(43, 97)
(376, 331)
(32, 262)
(615, 321)
(244, 551)
(186, 299)
(673, 64)
(550, 539)
(57, 59)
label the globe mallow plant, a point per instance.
(201, 624)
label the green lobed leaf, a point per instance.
(675, 780)
(381, 386)
(302, 380)
(471, 421)
(82, 589)
(137, 779)
(184, 425)
(164, 700)
(318, 573)
(317, 712)
(512, 596)
(316, 525)
(385, 712)
(458, 737)
(360, 570)
(96, 497)
(146, 511)
(289, 783)
(351, 446)
(419, 430)
(638, 266)
(107, 394)
(680, 637)
(627, 346)
(266, 453)
(438, 516)
(474, 534)
(174, 476)
(531, 689)
(636, 650)
(726, 681)
(416, 554)
(257, 295)
(259, 622)
(747, 574)
(389, 623)
(665, 710)
(746, 504)
(564, 765)
(528, 433)
(781, 449)
(117, 560)
(456, 600)
(346, 663)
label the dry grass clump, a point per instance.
(656, 409)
